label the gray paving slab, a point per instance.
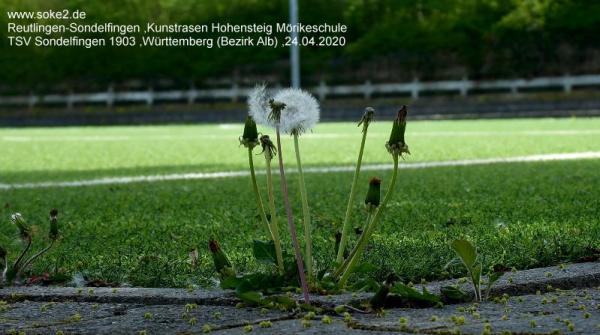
(157, 296)
(110, 318)
(564, 312)
(50, 310)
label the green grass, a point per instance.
(518, 214)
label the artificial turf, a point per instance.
(518, 214)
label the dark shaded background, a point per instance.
(389, 40)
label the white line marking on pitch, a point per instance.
(310, 136)
(370, 167)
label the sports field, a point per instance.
(134, 201)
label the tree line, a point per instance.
(387, 40)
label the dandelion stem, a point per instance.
(16, 263)
(259, 203)
(290, 219)
(346, 224)
(351, 260)
(305, 211)
(346, 268)
(274, 227)
(33, 258)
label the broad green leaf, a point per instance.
(250, 297)
(264, 251)
(378, 300)
(230, 282)
(451, 294)
(466, 251)
(365, 285)
(412, 295)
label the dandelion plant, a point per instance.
(12, 273)
(364, 121)
(396, 146)
(300, 114)
(269, 112)
(250, 139)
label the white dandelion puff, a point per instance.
(258, 105)
(301, 111)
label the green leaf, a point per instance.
(230, 282)
(466, 251)
(414, 296)
(378, 300)
(365, 285)
(264, 251)
(250, 297)
(451, 295)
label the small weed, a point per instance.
(76, 317)
(265, 324)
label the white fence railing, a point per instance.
(367, 90)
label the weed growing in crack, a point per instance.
(12, 273)
(295, 112)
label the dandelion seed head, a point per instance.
(301, 111)
(258, 106)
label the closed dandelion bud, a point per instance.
(250, 137)
(396, 144)
(219, 257)
(53, 224)
(374, 193)
(268, 147)
(24, 230)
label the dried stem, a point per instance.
(290, 219)
(305, 212)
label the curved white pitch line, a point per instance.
(346, 168)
